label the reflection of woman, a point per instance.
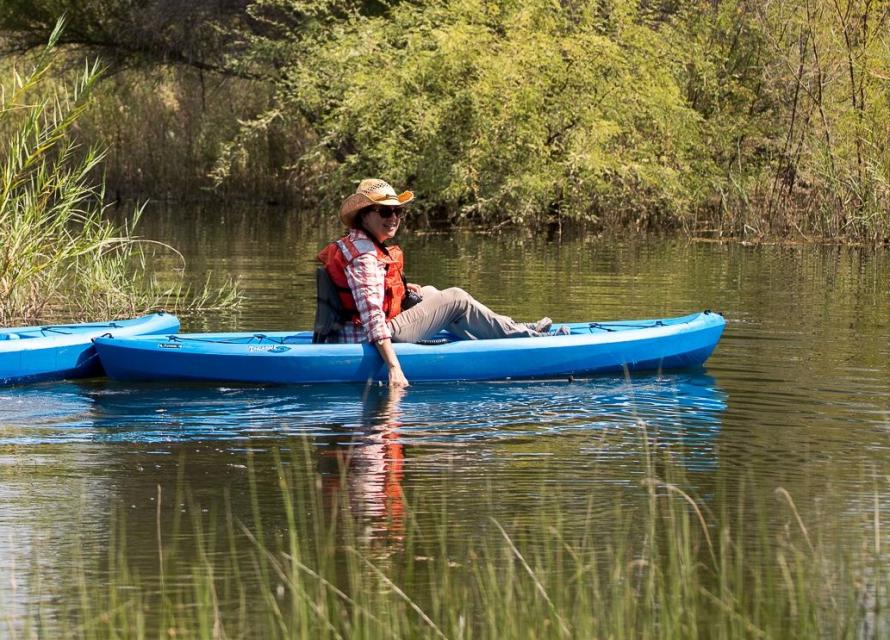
(373, 464)
(369, 277)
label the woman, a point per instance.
(372, 289)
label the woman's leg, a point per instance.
(456, 310)
(423, 320)
(478, 322)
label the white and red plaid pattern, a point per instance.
(366, 275)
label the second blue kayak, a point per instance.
(53, 352)
(291, 357)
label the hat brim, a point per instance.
(358, 201)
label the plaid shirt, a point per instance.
(365, 275)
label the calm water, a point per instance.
(797, 395)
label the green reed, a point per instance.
(60, 255)
(669, 567)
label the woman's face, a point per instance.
(382, 222)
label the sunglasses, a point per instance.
(389, 212)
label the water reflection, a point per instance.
(369, 466)
(125, 444)
(383, 441)
(679, 407)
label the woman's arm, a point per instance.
(366, 280)
(396, 376)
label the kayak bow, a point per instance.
(52, 352)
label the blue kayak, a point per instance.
(288, 357)
(53, 352)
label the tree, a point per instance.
(495, 110)
(129, 32)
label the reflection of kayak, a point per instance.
(51, 352)
(604, 422)
(683, 408)
(595, 347)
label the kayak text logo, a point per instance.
(269, 348)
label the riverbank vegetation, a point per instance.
(60, 255)
(738, 118)
(668, 567)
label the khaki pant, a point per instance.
(457, 311)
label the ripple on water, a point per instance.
(102, 411)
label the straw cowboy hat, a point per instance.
(372, 191)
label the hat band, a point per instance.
(401, 198)
(377, 197)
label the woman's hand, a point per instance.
(396, 377)
(414, 288)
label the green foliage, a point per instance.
(59, 254)
(164, 129)
(499, 110)
(796, 112)
(758, 118)
(168, 101)
(832, 62)
(739, 117)
(125, 32)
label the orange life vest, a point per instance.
(338, 255)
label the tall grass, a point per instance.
(59, 254)
(668, 569)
